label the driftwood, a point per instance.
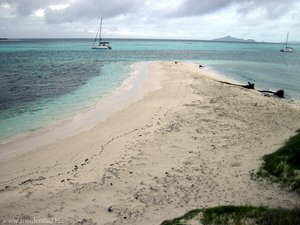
(248, 86)
(279, 93)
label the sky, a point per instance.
(261, 20)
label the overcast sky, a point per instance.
(262, 20)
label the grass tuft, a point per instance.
(178, 221)
(283, 166)
(231, 214)
(240, 215)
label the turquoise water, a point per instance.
(46, 80)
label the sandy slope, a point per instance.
(191, 144)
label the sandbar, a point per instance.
(186, 141)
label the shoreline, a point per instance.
(132, 89)
(128, 87)
(191, 143)
(291, 94)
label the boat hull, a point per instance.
(287, 50)
(101, 48)
(104, 47)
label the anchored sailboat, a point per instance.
(285, 47)
(102, 44)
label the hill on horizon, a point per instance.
(228, 38)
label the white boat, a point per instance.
(285, 47)
(102, 44)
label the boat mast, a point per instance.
(287, 38)
(100, 30)
(95, 39)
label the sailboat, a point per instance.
(285, 48)
(102, 44)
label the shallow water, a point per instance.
(46, 80)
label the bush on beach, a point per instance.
(283, 166)
(239, 215)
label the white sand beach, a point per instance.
(182, 141)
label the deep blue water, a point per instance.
(42, 80)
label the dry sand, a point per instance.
(193, 143)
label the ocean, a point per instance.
(46, 80)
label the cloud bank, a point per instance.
(194, 19)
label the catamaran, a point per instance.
(102, 44)
(285, 47)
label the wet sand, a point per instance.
(192, 143)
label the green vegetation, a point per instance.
(283, 166)
(188, 216)
(239, 215)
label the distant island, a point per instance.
(233, 39)
(7, 40)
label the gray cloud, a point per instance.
(89, 9)
(197, 19)
(26, 7)
(196, 7)
(274, 8)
